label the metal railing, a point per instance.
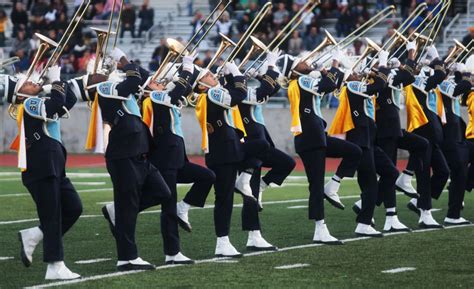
(448, 27)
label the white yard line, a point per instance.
(79, 191)
(399, 270)
(297, 207)
(91, 261)
(71, 175)
(292, 266)
(89, 183)
(211, 260)
(6, 258)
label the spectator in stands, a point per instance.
(21, 45)
(107, 8)
(280, 16)
(244, 23)
(38, 24)
(224, 26)
(295, 45)
(196, 24)
(128, 20)
(61, 23)
(146, 16)
(79, 48)
(207, 58)
(386, 37)
(60, 7)
(345, 21)
(3, 26)
(84, 60)
(314, 38)
(160, 53)
(40, 8)
(19, 18)
(469, 37)
(50, 18)
(252, 10)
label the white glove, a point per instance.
(252, 72)
(54, 73)
(383, 58)
(337, 55)
(394, 63)
(232, 69)
(117, 54)
(188, 62)
(411, 45)
(432, 52)
(461, 67)
(272, 57)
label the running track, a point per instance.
(89, 161)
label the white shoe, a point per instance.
(225, 249)
(256, 242)
(427, 221)
(456, 222)
(412, 206)
(178, 259)
(182, 210)
(393, 224)
(261, 188)
(357, 207)
(59, 271)
(322, 235)
(242, 185)
(403, 184)
(29, 239)
(135, 264)
(367, 231)
(330, 192)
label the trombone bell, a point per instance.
(257, 46)
(45, 44)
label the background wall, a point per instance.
(74, 130)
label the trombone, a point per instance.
(356, 34)
(9, 61)
(102, 36)
(284, 34)
(327, 41)
(196, 45)
(71, 28)
(456, 52)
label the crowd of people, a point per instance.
(51, 18)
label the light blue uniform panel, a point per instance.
(176, 122)
(131, 106)
(257, 114)
(432, 101)
(53, 130)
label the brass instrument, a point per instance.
(465, 55)
(327, 41)
(284, 33)
(361, 30)
(371, 47)
(75, 20)
(455, 52)
(257, 46)
(175, 50)
(9, 61)
(102, 36)
(45, 44)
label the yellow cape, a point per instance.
(470, 110)
(415, 115)
(91, 140)
(294, 99)
(342, 122)
(19, 143)
(147, 114)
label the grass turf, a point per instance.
(442, 258)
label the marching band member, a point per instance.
(311, 142)
(138, 184)
(454, 145)
(391, 136)
(355, 118)
(42, 158)
(222, 131)
(468, 100)
(161, 112)
(428, 185)
(280, 163)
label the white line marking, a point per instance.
(297, 207)
(399, 270)
(436, 210)
(226, 261)
(298, 265)
(211, 260)
(92, 261)
(79, 191)
(89, 183)
(6, 258)
(10, 179)
(72, 175)
(192, 208)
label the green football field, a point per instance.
(421, 259)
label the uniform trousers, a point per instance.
(281, 165)
(138, 185)
(58, 206)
